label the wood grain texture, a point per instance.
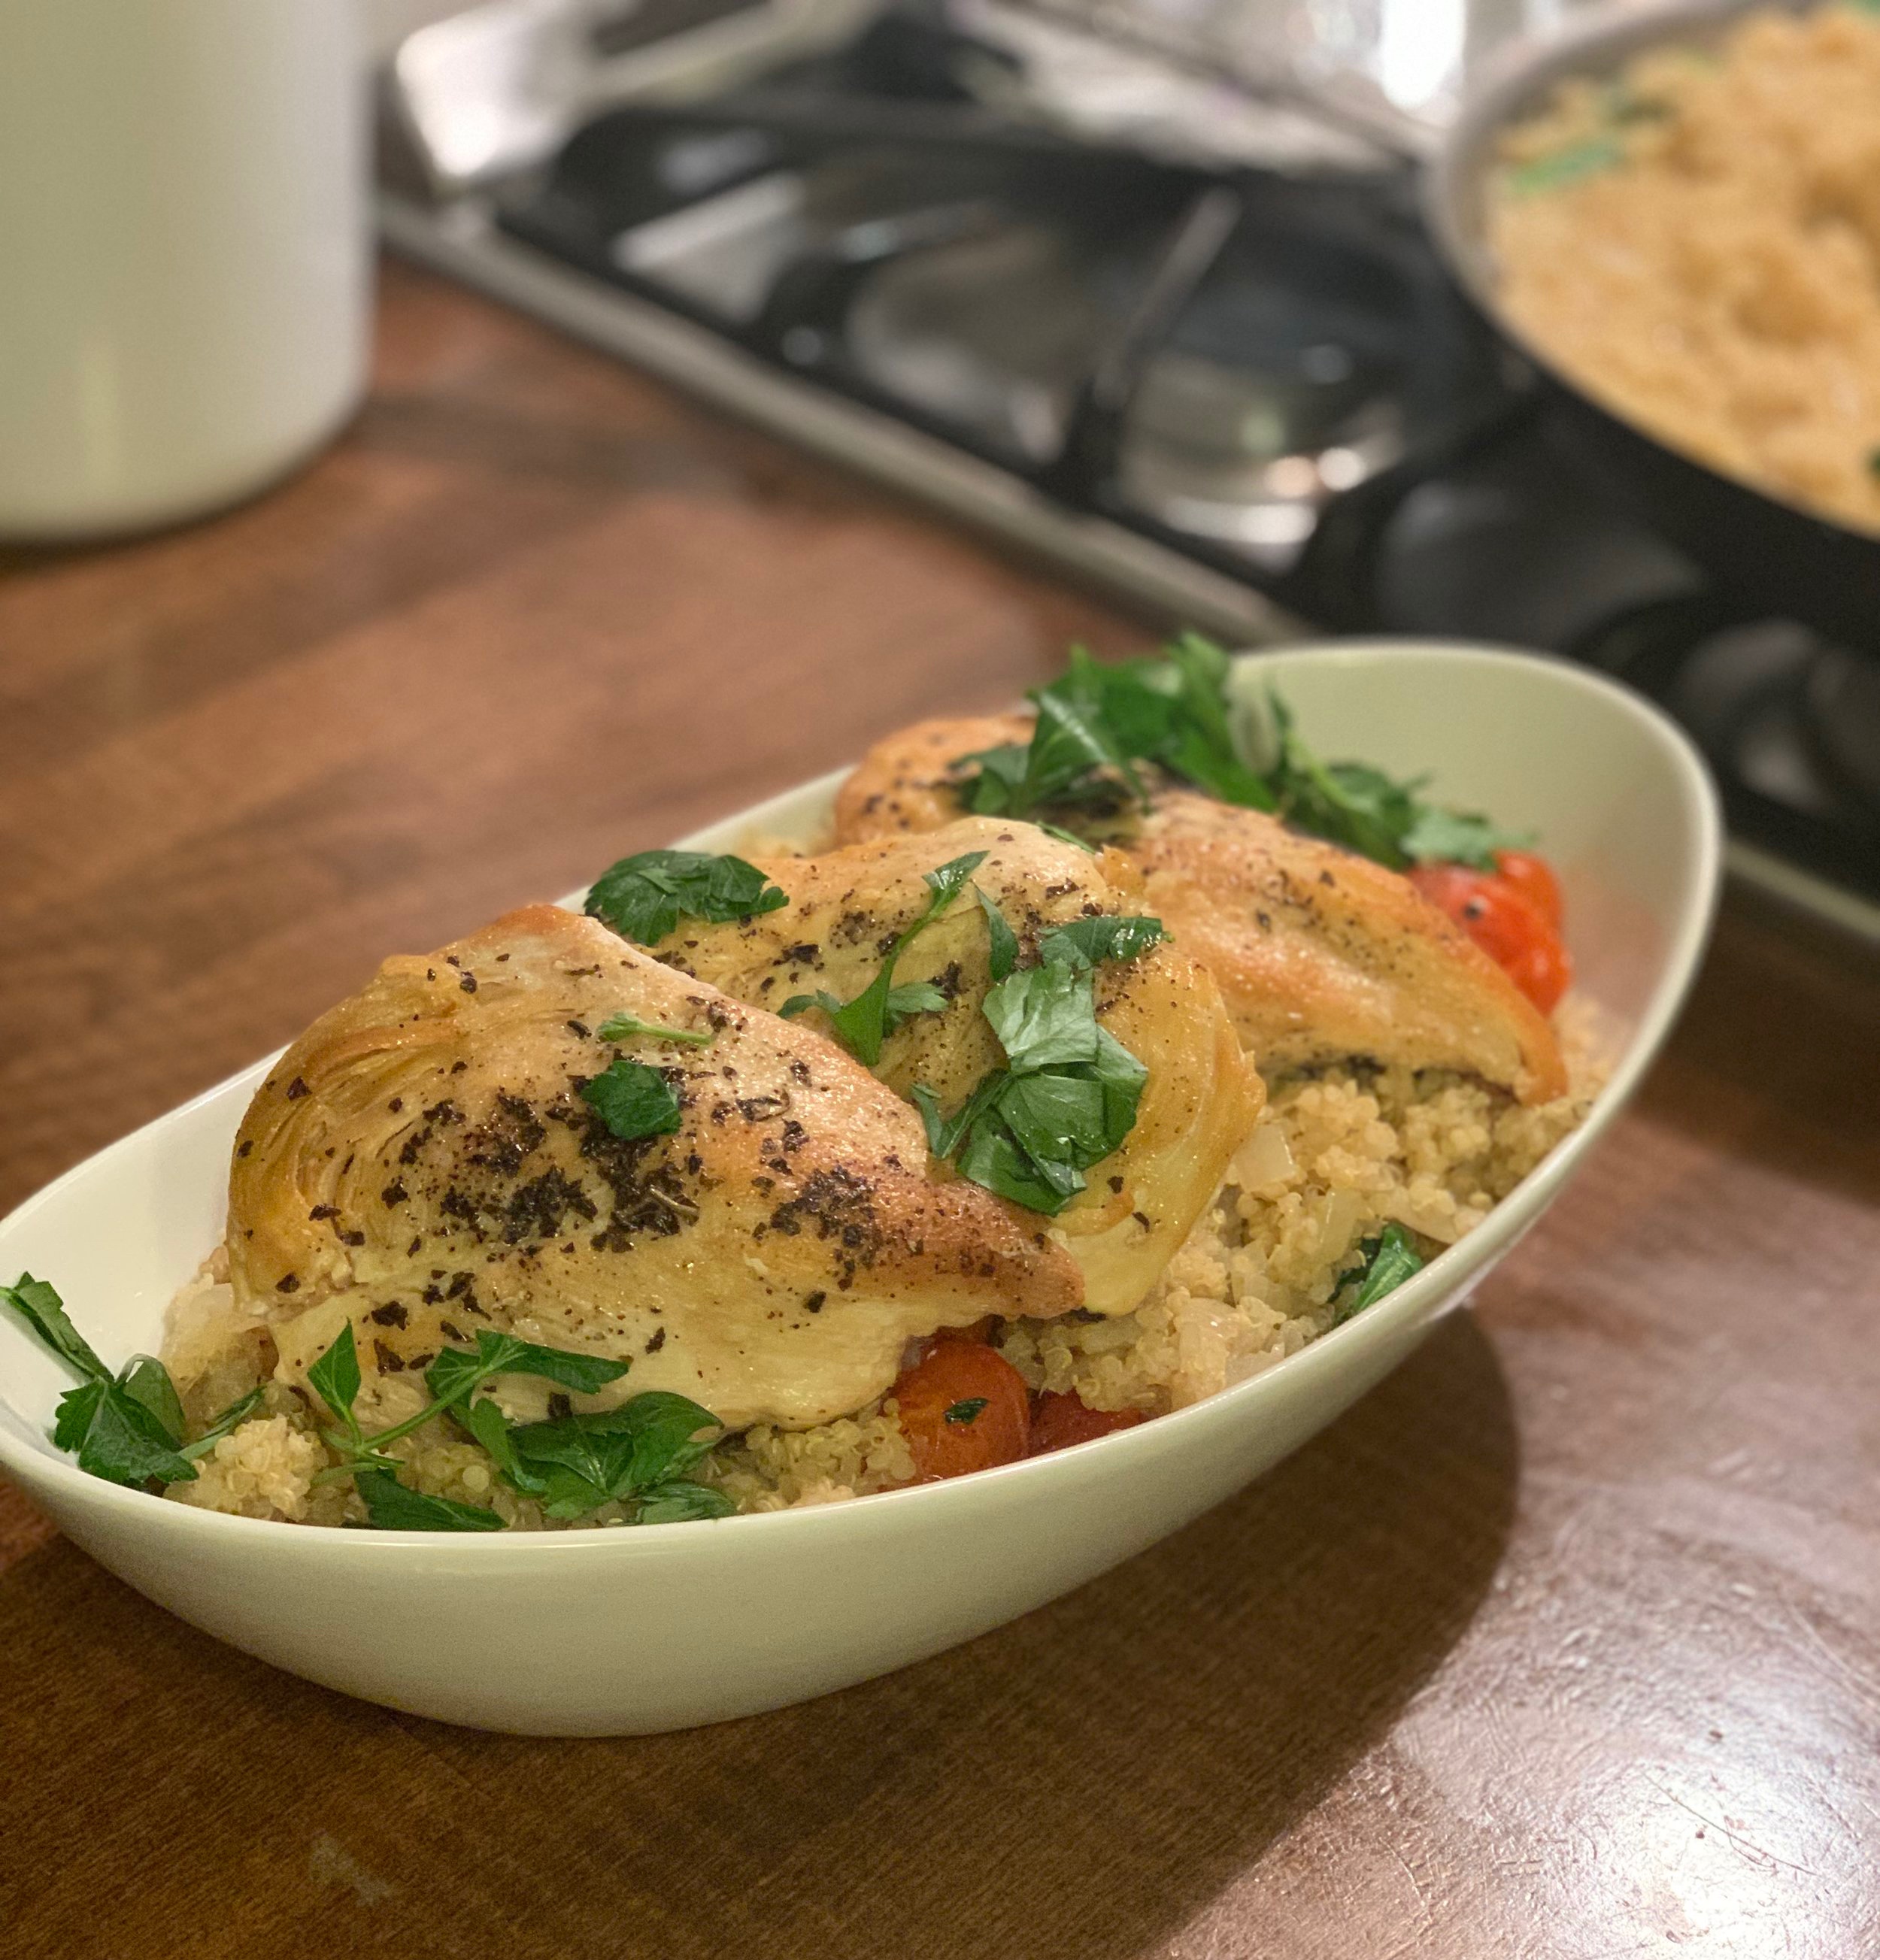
(1563, 1643)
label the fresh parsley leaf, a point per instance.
(1385, 1263)
(1003, 955)
(488, 1424)
(1066, 1100)
(643, 897)
(37, 1302)
(232, 1418)
(1169, 711)
(115, 1437)
(458, 1371)
(632, 1100)
(682, 1503)
(1202, 748)
(801, 1004)
(127, 1429)
(943, 1133)
(863, 1024)
(916, 996)
(394, 1507)
(1058, 1119)
(584, 1373)
(145, 1379)
(966, 1412)
(1458, 837)
(72, 1414)
(623, 1027)
(335, 1379)
(1559, 168)
(1360, 808)
(1088, 942)
(1098, 719)
(999, 787)
(1066, 837)
(945, 882)
(1071, 758)
(1121, 1078)
(456, 1375)
(991, 1155)
(586, 1461)
(1044, 1014)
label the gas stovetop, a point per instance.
(1249, 398)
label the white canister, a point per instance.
(185, 269)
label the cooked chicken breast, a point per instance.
(1320, 955)
(1201, 1098)
(907, 781)
(422, 1161)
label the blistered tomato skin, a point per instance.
(1533, 878)
(964, 1408)
(1059, 1420)
(1505, 924)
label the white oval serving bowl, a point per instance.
(627, 1632)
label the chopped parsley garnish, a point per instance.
(1066, 836)
(632, 1100)
(643, 897)
(1559, 168)
(1384, 1263)
(571, 1464)
(129, 1428)
(1068, 1094)
(126, 1428)
(1364, 809)
(966, 1412)
(1097, 721)
(623, 1027)
(1088, 942)
(1002, 954)
(1071, 758)
(230, 1419)
(863, 1024)
(453, 1379)
(395, 1507)
(637, 1453)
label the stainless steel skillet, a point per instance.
(1769, 554)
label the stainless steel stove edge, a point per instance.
(1775, 878)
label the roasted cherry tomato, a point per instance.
(964, 1408)
(1059, 1420)
(1533, 878)
(1505, 924)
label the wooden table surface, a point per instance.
(1564, 1643)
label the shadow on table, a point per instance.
(1080, 1784)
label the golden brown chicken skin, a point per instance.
(422, 1162)
(1320, 955)
(1201, 1098)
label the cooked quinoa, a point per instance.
(1337, 1154)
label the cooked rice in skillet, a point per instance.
(1697, 243)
